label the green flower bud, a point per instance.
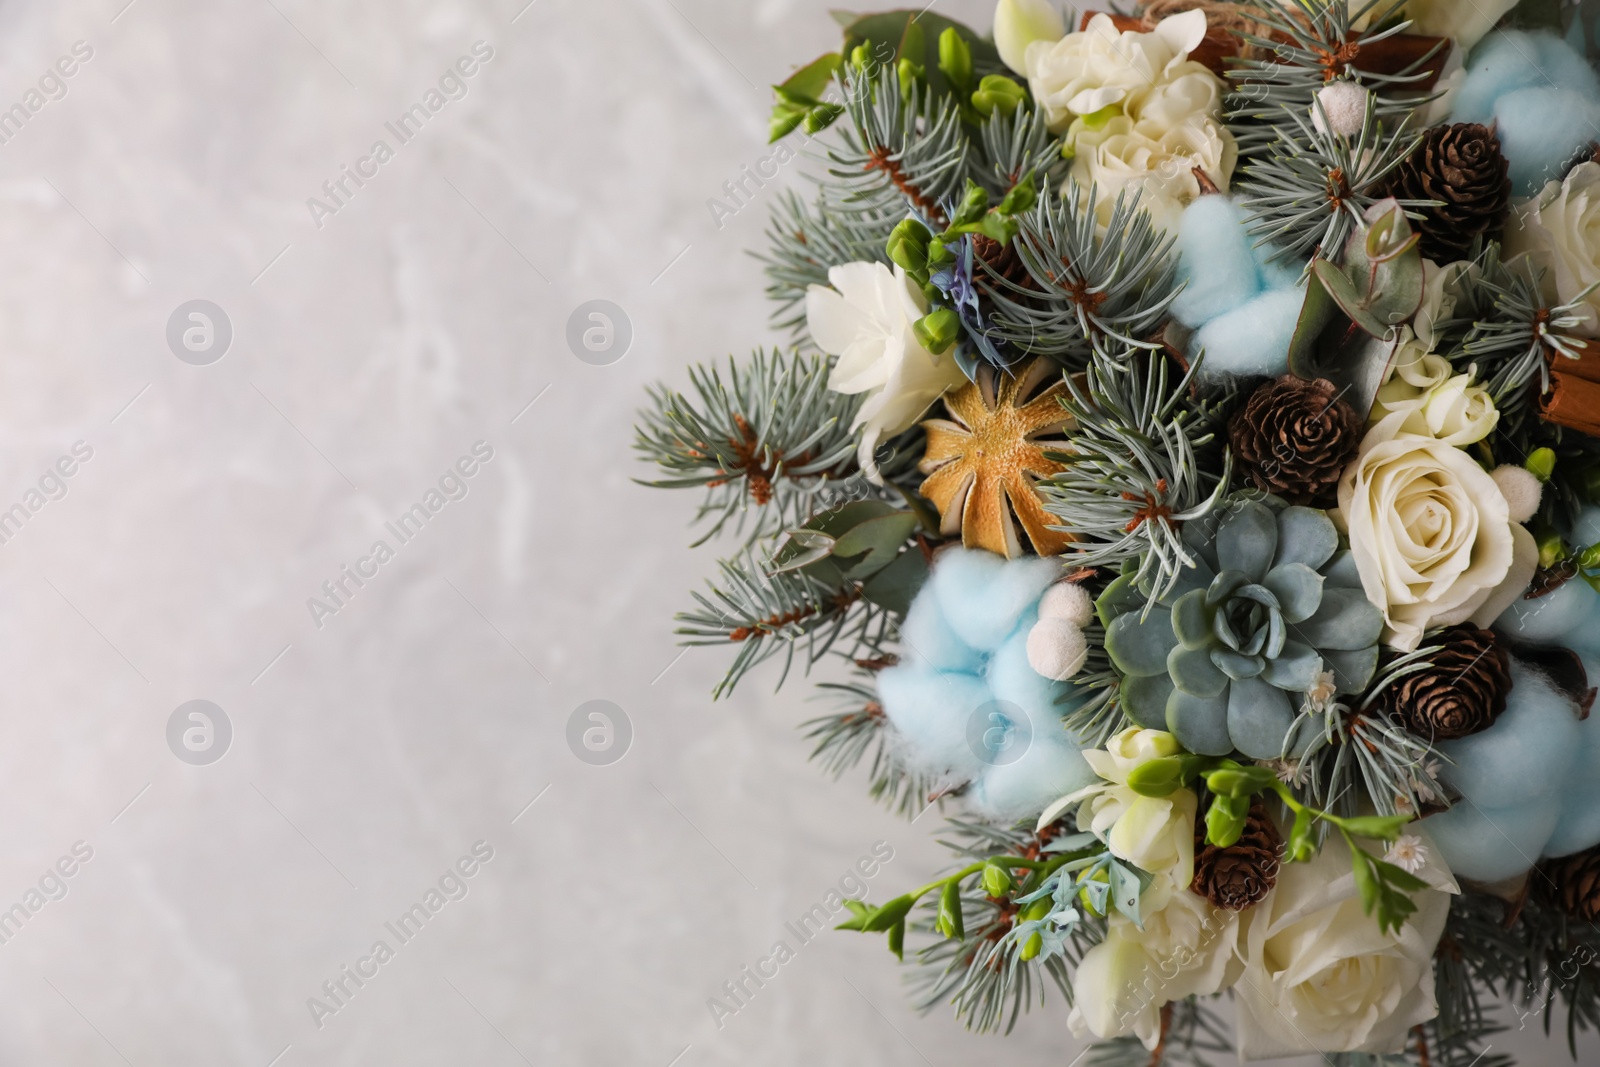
(1032, 946)
(1038, 909)
(861, 56)
(937, 330)
(996, 92)
(1226, 818)
(955, 58)
(950, 922)
(1157, 778)
(1301, 846)
(822, 116)
(1020, 198)
(1552, 549)
(1541, 464)
(897, 939)
(910, 74)
(996, 880)
(908, 246)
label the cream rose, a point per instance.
(866, 320)
(1437, 402)
(1465, 20)
(1319, 975)
(1430, 532)
(1188, 948)
(1098, 68)
(1560, 228)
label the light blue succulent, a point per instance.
(1270, 607)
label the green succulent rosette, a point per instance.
(1271, 609)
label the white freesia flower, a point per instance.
(1188, 948)
(866, 321)
(1155, 834)
(1560, 228)
(1430, 532)
(1127, 155)
(1100, 67)
(1320, 976)
(1019, 23)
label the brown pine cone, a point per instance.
(1572, 883)
(1293, 437)
(1003, 260)
(1243, 873)
(1463, 692)
(1462, 166)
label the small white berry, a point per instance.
(1056, 649)
(1068, 601)
(1344, 108)
(1521, 490)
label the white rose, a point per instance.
(1155, 834)
(1100, 67)
(1319, 975)
(1431, 533)
(1188, 948)
(1413, 374)
(1560, 228)
(866, 320)
(1122, 154)
(1457, 412)
(1019, 23)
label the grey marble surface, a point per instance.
(372, 347)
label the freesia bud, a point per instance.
(1019, 23)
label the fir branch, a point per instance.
(1094, 286)
(789, 613)
(1192, 1033)
(764, 440)
(803, 242)
(844, 738)
(1093, 720)
(1015, 146)
(1134, 474)
(908, 149)
(1308, 192)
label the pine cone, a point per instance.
(1463, 692)
(1462, 166)
(1003, 260)
(1572, 883)
(1293, 437)
(1243, 873)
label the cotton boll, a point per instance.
(1510, 60)
(1554, 618)
(929, 640)
(931, 711)
(1586, 531)
(1579, 825)
(1013, 680)
(1478, 844)
(1068, 601)
(1056, 649)
(1520, 488)
(983, 596)
(1049, 770)
(1524, 755)
(1252, 339)
(1540, 129)
(1215, 262)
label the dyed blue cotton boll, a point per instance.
(1579, 825)
(1242, 307)
(1569, 616)
(1541, 95)
(1586, 531)
(1216, 264)
(1253, 338)
(1514, 777)
(963, 694)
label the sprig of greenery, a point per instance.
(1385, 888)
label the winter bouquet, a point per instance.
(1185, 438)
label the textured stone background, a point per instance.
(368, 354)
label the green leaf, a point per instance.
(785, 117)
(897, 940)
(949, 922)
(880, 538)
(894, 587)
(813, 79)
(889, 913)
(914, 35)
